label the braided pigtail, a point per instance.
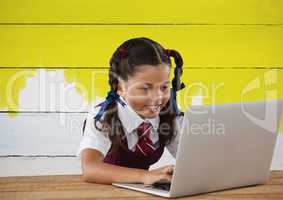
(111, 122)
(176, 82)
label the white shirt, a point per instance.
(95, 139)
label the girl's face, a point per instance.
(147, 91)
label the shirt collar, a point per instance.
(131, 120)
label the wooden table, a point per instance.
(71, 187)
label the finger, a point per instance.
(166, 169)
(170, 170)
(172, 167)
(168, 178)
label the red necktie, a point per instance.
(144, 146)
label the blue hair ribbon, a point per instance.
(111, 96)
(174, 98)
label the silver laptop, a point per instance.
(221, 146)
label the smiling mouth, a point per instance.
(153, 108)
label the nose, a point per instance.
(156, 96)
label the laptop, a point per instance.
(221, 146)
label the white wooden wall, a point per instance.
(49, 48)
(43, 136)
(46, 143)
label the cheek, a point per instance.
(139, 102)
(136, 99)
(165, 99)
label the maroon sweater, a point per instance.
(127, 158)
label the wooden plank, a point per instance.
(75, 90)
(72, 187)
(27, 135)
(54, 165)
(89, 46)
(185, 11)
(53, 134)
(42, 90)
(39, 166)
(72, 90)
(26, 142)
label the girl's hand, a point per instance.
(162, 174)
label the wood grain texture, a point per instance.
(72, 187)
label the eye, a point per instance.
(164, 87)
(144, 88)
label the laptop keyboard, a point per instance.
(162, 186)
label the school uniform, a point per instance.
(126, 154)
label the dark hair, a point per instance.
(123, 63)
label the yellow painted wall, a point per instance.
(224, 43)
(56, 46)
(147, 11)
